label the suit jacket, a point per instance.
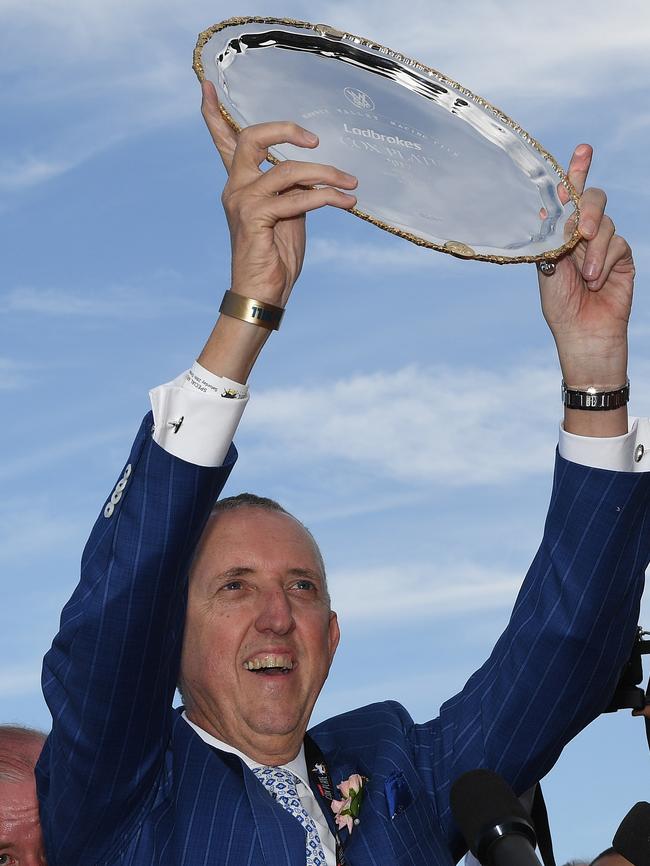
(124, 780)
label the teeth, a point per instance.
(269, 661)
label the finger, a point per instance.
(223, 136)
(295, 173)
(597, 251)
(592, 211)
(578, 171)
(302, 201)
(618, 255)
(254, 142)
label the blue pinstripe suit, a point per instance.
(123, 779)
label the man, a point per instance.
(233, 779)
(21, 841)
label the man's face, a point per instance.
(21, 842)
(259, 633)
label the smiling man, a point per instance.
(231, 601)
(258, 595)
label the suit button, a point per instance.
(115, 498)
(127, 471)
(108, 511)
(121, 484)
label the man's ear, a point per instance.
(334, 634)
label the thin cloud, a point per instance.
(33, 530)
(486, 42)
(416, 425)
(123, 67)
(35, 460)
(30, 171)
(363, 256)
(113, 302)
(402, 687)
(12, 375)
(20, 680)
(404, 592)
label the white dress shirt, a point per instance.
(299, 769)
(196, 414)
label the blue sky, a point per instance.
(428, 508)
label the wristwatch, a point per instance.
(594, 399)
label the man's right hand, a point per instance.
(266, 209)
(266, 216)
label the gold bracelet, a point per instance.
(249, 310)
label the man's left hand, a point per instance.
(587, 302)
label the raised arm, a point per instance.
(587, 304)
(571, 631)
(266, 216)
(110, 675)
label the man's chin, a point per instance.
(278, 722)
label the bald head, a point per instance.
(19, 751)
(610, 857)
(21, 840)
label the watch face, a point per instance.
(436, 164)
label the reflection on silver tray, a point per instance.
(436, 164)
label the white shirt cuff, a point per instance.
(627, 453)
(196, 415)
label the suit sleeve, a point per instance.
(555, 667)
(110, 676)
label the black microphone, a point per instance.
(632, 839)
(496, 827)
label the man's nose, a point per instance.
(275, 613)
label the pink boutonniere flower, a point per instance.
(347, 809)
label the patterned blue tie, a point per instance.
(282, 785)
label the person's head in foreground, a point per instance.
(21, 843)
(610, 857)
(259, 633)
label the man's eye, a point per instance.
(6, 860)
(304, 584)
(231, 585)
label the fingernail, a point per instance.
(350, 177)
(311, 137)
(589, 270)
(587, 227)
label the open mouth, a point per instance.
(270, 664)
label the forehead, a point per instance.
(18, 807)
(257, 536)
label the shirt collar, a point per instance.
(298, 766)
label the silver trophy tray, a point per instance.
(436, 164)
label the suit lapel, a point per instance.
(280, 834)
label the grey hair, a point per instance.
(251, 500)
(17, 759)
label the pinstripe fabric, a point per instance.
(124, 780)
